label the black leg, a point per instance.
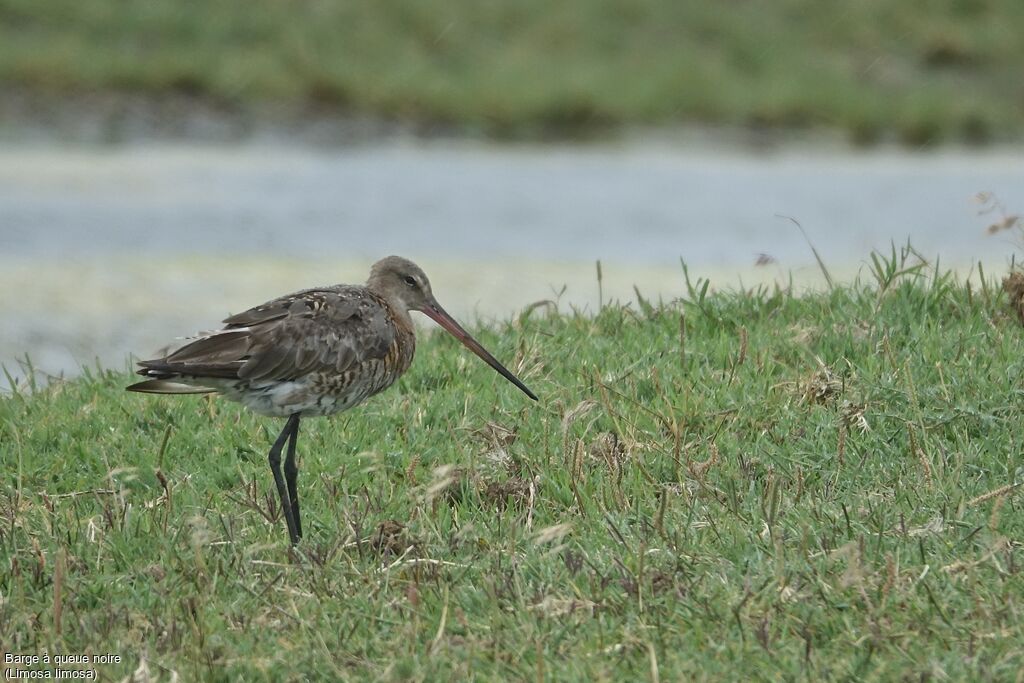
(275, 467)
(291, 473)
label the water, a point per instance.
(106, 251)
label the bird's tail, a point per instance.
(165, 386)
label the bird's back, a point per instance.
(314, 352)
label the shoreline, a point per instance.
(106, 310)
(119, 249)
(118, 119)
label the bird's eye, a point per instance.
(410, 280)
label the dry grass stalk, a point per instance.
(1001, 491)
(700, 469)
(1013, 285)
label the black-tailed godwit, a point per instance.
(315, 352)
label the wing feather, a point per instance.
(223, 346)
(331, 328)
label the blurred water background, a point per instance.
(164, 164)
(110, 251)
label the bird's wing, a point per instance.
(328, 329)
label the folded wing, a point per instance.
(328, 329)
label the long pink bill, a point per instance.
(441, 317)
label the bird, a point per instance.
(312, 353)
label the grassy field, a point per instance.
(923, 70)
(778, 488)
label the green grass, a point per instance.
(924, 70)
(816, 487)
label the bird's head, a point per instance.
(405, 286)
(402, 282)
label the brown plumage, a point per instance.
(315, 352)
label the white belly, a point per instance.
(283, 399)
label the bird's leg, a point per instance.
(291, 472)
(275, 467)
